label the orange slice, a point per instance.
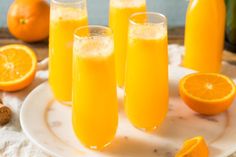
(207, 93)
(17, 67)
(195, 147)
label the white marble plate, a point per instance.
(48, 124)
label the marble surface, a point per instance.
(55, 135)
(181, 124)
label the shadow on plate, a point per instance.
(127, 147)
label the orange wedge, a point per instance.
(17, 67)
(207, 93)
(195, 147)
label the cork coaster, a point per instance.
(5, 114)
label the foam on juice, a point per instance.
(127, 3)
(94, 47)
(148, 31)
(67, 13)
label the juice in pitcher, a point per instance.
(146, 79)
(95, 104)
(65, 18)
(204, 35)
(120, 10)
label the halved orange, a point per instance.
(17, 67)
(207, 93)
(195, 147)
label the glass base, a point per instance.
(148, 130)
(99, 148)
(66, 103)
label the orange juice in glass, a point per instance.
(95, 104)
(65, 17)
(204, 35)
(146, 78)
(120, 10)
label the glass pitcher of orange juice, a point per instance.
(120, 10)
(204, 35)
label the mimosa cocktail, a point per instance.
(120, 10)
(204, 35)
(146, 79)
(95, 104)
(65, 18)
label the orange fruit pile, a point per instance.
(28, 20)
(17, 67)
(195, 147)
(207, 93)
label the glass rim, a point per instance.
(108, 29)
(164, 21)
(67, 2)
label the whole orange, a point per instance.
(28, 20)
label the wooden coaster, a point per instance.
(5, 114)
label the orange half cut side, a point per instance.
(17, 67)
